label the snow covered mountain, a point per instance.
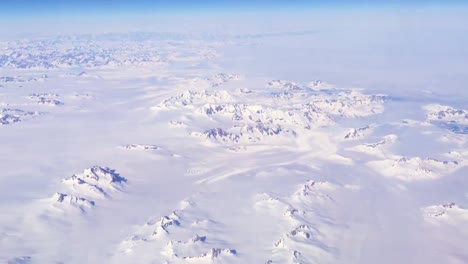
(10, 116)
(97, 182)
(414, 168)
(447, 117)
(252, 118)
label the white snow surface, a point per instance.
(134, 148)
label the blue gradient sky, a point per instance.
(33, 17)
(38, 8)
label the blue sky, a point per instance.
(38, 8)
(27, 17)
